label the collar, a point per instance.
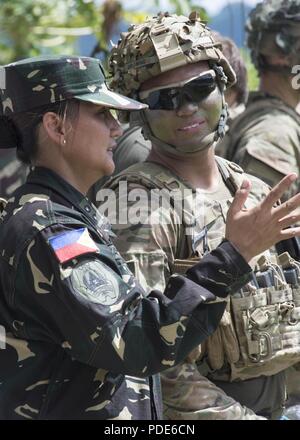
(258, 96)
(60, 189)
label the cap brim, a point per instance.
(112, 100)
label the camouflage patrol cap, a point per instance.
(162, 43)
(35, 82)
(273, 27)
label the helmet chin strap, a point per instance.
(140, 119)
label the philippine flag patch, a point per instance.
(71, 244)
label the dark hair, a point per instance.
(233, 55)
(26, 126)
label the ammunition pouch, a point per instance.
(257, 328)
(268, 328)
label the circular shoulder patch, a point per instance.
(95, 282)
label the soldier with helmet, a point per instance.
(265, 139)
(174, 65)
(132, 147)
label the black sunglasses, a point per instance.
(172, 97)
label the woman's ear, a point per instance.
(54, 127)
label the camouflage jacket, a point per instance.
(82, 339)
(163, 243)
(265, 140)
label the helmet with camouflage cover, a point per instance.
(32, 83)
(160, 44)
(273, 27)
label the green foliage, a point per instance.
(16, 20)
(25, 24)
(253, 78)
(135, 17)
(22, 23)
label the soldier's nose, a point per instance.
(187, 108)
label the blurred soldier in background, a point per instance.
(265, 139)
(237, 95)
(111, 26)
(12, 173)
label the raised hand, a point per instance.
(255, 230)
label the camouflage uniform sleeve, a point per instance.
(101, 316)
(270, 149)
(190, 396)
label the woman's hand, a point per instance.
(255, 230)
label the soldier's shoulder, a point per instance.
(21, 220)
(27, 214)
(231, 166)
(131, 148)
(147, 174)
(268, 107)
(258, 186)
(131, 136)
(23, 208)
(280, 119)
(256, 180)
(263, 107)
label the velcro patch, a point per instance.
(71, 244)
(95, 282)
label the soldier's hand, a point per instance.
(255, 230)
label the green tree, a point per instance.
(31, 27)
(253, 78)
(24, 25)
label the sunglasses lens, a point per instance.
(202, 87)
(170, 99)
(153, 100)
(197, 94)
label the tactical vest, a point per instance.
(259, 333)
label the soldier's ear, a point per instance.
(54, 126)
